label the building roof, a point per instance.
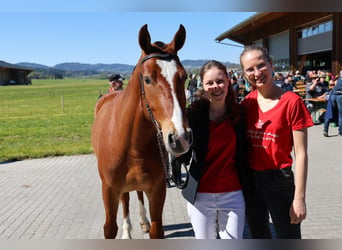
(238, 32)
(7, 65)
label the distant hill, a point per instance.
(75, 69)
(199, 63)
(117, 67)
(100, 67)
(33, 65)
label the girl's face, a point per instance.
(215, 84)
(256, 69)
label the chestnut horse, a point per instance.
(135, 128)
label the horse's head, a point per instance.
(162, 79)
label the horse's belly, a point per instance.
(132, 174)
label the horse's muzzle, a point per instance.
(179, 144)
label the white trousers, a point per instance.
(218, 214)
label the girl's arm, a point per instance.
(298, 208)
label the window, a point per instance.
(315, 30)
(281, 65)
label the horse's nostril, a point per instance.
(172, 141)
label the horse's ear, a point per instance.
(144, 39)
(179, 38)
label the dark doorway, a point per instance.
(315, 61)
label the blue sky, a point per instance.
(91, 33)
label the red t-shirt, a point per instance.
(220, 173)
(270, 132)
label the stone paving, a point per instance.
(60, 197)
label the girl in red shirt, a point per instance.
(277, 122)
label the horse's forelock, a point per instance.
(159, 47)
(160, 44)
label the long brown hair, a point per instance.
(232, 107)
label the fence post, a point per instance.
(62, 103)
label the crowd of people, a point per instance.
(320, 85)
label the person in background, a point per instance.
(198, 94)
(288, 84)
(334, 107)
(277, 123)
(278, 79)
(115, 82)
(235, 86)
(199, 82)
(192, 87)
(318, 87)
(297, 77)
(216, 205)
(314, 89)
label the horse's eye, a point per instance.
(147, 80)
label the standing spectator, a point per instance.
(216, 205)
(277, 122)
(192, 87)
(115, 82)
(236, 87)
(248, 88)
(334, 106)
(199, 82)
(240, 80)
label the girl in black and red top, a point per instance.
(216, 204)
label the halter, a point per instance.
(166, 56)
(167, 160)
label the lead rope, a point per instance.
(161, 146)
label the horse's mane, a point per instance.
(105, 98)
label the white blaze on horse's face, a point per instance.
(178, 141)
(169, 69)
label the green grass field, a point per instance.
(48, 118)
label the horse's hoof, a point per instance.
(145, 227)
(126, 236)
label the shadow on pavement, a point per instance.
(183, 230)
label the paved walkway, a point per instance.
(60, 198)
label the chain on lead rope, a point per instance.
(161, 146)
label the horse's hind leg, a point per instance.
(144, 223)
(111, 203)
(127, 226)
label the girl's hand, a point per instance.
(297, 211)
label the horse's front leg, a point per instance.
(144, 222)
(156, 198)
(127, 226)
(111, 203)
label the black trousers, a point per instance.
(271, 193)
